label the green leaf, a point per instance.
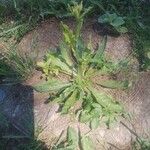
(114, 107)
(114, 84)
(104, 19)
(80, 48)
(122, 29)
(148, 55)
(84, 116)
(94, 123)
(109, 105)
(101, 98)
(118, 21)
(2, 8)
(69, 36)
(50, 86)
(96, 112)
(114, 21)
(100, 51)
(71, 40)
(56, 61)
(96, 105)
(107, 18)
(69, 102)
(87, 144)
(65, 53)
(72, 136)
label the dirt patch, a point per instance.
(48, 35)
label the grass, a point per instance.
(141, 144)
(15, 66)
(15, 30)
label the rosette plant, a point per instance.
(81, 64)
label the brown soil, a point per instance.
(48, 35)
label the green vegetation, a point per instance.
(15, 30)
(15, 66)
(69, 72)
(141, 144)
(135, 14)
(115, 21)
(80, 64)
(73, 141)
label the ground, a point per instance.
(28, 113)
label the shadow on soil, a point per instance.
(17, 119)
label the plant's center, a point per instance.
(82, 81)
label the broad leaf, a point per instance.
(122, 29)
(118, 21)
(114, 20)
(114, 107)
(63, 94)
(107, 18)
(114, 84)
(101, 98)
(72, 136)
(49, 86)
(69, 36)
(70, 40)
(65, 53)
(94, 123)
(55, 61)
(87, 144)
(99, 53)
(80, 48)
(96, 105)
(96, 112)
(69, 102)
(148, 55)
(84, 116)
(104, 18)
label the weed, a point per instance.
(76, 60)
(73, 141)
(141, 144)
(115, 21)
